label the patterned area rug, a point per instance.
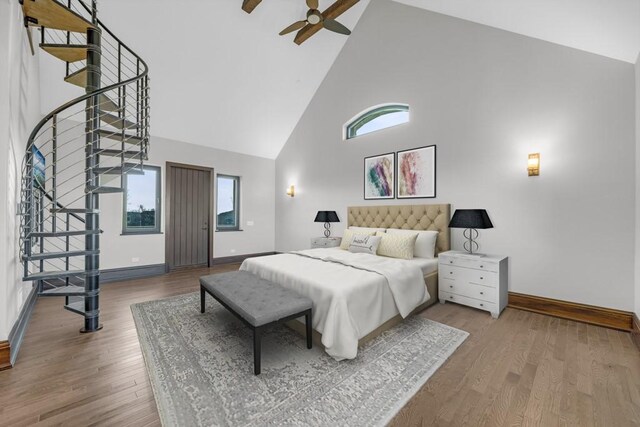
(201, 369)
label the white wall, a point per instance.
(257, 204)
(19, 112)
(637, 253)
(486, 98)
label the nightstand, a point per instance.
(325, 242)
(476, 281)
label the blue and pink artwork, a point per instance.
(379, 177)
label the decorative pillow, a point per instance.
(347, 237)
(425, 243)
(367, 229)
(397, 245)
(364, 244)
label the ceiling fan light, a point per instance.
(314, 18)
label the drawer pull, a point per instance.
(451, 286)
(451, 297)
(451, 272)
(451, 262)
(481, 293)
(481, 278)
(482, 266)
(481, 305)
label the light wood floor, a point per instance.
(521, 369)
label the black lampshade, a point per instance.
(327, 216)
(470, 218)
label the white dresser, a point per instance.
(325, 242)
(480, 282)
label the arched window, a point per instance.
(376, 118)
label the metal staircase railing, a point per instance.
(79, 151)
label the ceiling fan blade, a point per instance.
(336, 27)
(291, 28)
(313, 4)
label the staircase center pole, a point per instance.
(92, 199)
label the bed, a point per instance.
(357, 296)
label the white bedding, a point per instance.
(427, 265)
(352, 294)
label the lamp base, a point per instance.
(327, 229)
(471, 256)
(471, 246)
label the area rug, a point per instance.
(201, 369)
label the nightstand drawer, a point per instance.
(325, 242)
(466, 289)
(478, 263)
(471, 302)
(487, 278)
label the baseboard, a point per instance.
(9, 349)
(238, 258)
(5, 355)
(132, 273)
(607, 317)
(635, 331)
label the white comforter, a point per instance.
(352, 294)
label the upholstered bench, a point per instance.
(257, 302)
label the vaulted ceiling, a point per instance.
(606, 27)
(226, 79)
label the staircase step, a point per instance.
(106, 104)
(66, 52)
(79, 78)
(103, 190)
(116, 122)
(128, 155)
(51, 14)
(63, 233)
(129, 168)
(53, 255)
(75, 211)
(59, 274)
(76, 307)
(64, 291)
(128, 139)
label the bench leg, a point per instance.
(201, 299)
(257, 347)
(307, 318)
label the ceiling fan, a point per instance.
(315, 17)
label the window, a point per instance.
(228, 203)
(377, 118)
(142, 201)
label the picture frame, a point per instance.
(416, 173)
(379, 177)
(39, 168)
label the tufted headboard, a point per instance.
(407, 217)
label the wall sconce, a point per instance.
(534, 164)
(291, 191)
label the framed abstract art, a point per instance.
(379, 177)
(416, 171)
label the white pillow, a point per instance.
(368, 230)
(397, 245)
(348, 235)
(364, 244)
(425, 243)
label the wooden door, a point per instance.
(189, 220)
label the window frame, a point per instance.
(137, 231)
(351, 128)
(236, 202)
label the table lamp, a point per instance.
(471, 220)
(327, 217)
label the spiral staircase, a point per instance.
(79, 152)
